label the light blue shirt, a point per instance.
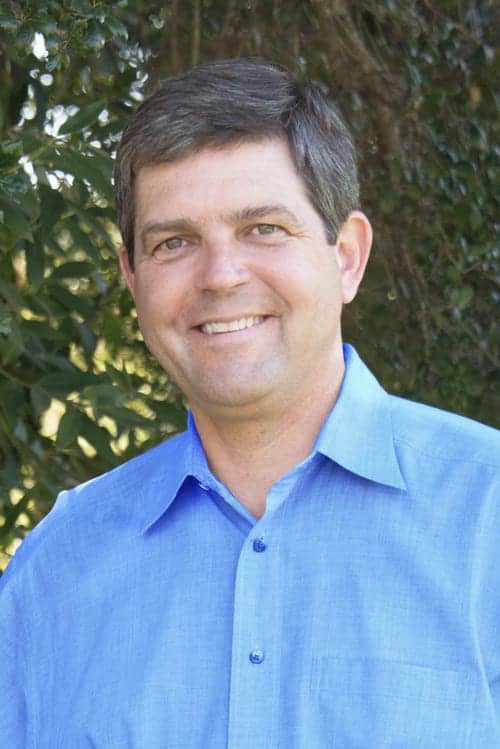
(150, 610)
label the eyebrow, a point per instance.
(253, 213)
(249, 213)
(161, 227)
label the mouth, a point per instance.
(214, 327)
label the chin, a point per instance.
(233, 396)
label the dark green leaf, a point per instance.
(11, 295)
(126, 418)
(8, 20)
(104, 395)
(69, 427)
(40, 399)
(12, 184)
(73, 269)
(16, 219)
(81, 239)
(72, 302)
(12, 345)
(51, 207)
(35, 263)
(61, 384)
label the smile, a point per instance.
(229, 327)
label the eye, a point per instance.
(264, 229)
(173, 243)
(168, 247)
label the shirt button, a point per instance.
(259, 545)
(256, 656)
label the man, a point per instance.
(314, 562)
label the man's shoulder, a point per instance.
(125, 480)
(443, 435)
(109, 500)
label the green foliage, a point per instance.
(78, 392)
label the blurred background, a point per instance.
(416, 82)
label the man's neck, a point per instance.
(250, 454)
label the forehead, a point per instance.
(212, 180)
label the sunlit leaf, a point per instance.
(82, 119)
(98, 437)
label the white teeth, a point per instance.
(228, 327)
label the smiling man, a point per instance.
(313, 562)
(239, 294)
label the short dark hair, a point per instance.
(239, 100)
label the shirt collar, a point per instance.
(358, 433)
(166, 472)
(159, 475)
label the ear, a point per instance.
(353, 246)
(127, 272)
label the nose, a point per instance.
(221, 266)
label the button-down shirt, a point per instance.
(362, 611)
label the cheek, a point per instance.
(147, 308)
(312, 285)
(156, 296)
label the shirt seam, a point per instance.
(442, 458)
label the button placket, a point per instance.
(256, 649)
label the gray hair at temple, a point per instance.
(227, 101)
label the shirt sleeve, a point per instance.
(14, 700)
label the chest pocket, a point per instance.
(385, 704)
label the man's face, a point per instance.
(238, 292)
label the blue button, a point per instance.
(256, 656)
(259, 545)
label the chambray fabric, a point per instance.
(150, 610)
